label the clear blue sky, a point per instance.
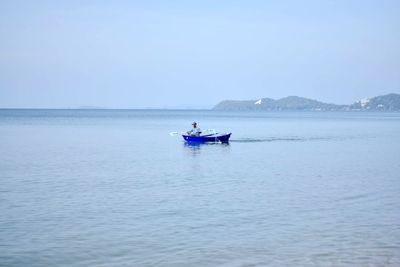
(135, 54)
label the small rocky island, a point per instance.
(389, 102)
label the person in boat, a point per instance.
(195, 130)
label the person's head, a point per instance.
(194, 124)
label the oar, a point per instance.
(176, 133)
(213, 131)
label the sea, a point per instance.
(115, 188)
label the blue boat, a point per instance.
(223, 138)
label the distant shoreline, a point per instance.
(389, 102)
(384, 103)
(208, 110)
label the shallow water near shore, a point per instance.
(113, 188)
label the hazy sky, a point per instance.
(135, 54)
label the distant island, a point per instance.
(389, 102)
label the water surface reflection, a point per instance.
(195, 148)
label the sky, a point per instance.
(193, 54)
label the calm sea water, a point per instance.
(113, 188)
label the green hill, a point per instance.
(390, 102)
(287, 103)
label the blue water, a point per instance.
(113, 188)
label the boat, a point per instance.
(223, 138)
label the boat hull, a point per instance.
(223, 138)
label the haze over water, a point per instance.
(113, 188)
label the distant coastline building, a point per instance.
(364, 101)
